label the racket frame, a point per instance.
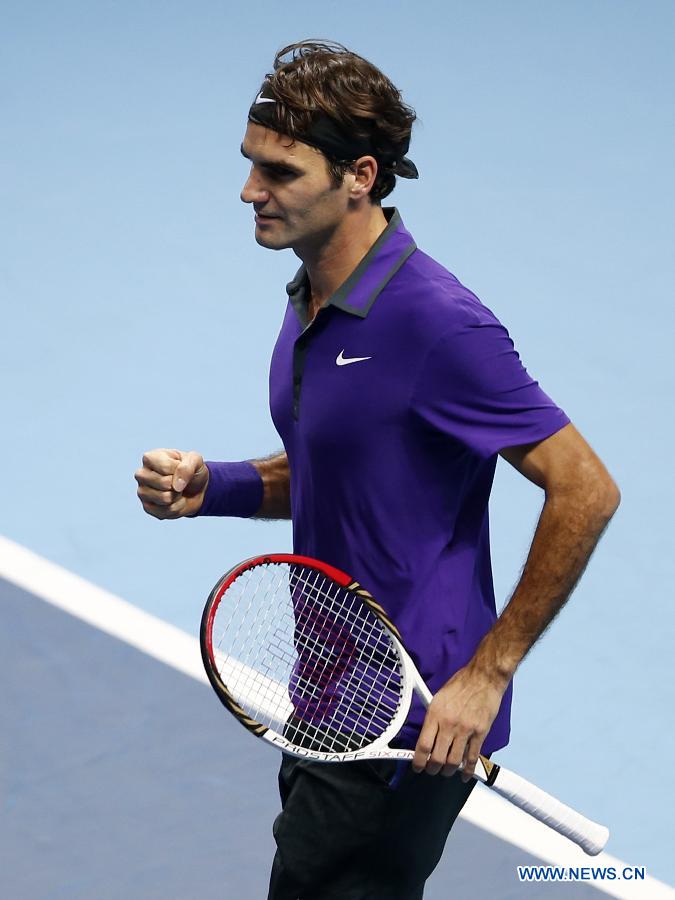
(486, 771)
(589, 835)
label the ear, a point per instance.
(363, 172)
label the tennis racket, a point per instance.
(308, 661)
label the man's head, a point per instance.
(327, 134)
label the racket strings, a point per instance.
(364, 707)
(251, 649)
(315, 686)
(360, 687)
(306, 657)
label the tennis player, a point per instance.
(394, 391)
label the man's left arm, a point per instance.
(581, 498)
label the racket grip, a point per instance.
(589, 835)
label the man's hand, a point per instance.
(457, 721)
(172, 483)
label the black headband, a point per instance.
(326, 135)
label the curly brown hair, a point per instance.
(325, 77)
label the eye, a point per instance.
(279, 172)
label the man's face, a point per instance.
(295, 201)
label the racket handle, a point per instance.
(589, 835)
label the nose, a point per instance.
(253, 190)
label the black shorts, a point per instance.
(367, 830)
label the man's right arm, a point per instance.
(276, 478)
(173, 484)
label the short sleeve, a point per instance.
(474, 387)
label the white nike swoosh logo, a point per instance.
(342, 361)
(261, 99)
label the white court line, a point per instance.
(100, 608)
(180, 650)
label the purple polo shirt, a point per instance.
(392, 406)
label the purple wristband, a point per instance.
(234, 489)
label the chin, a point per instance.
(271, 241)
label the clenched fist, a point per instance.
(172, 483)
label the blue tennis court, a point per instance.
(123, 777)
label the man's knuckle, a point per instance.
(471, 728)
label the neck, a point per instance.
(330, 264)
